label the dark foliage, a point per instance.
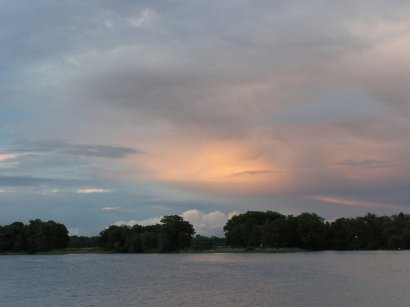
(171, 235)
(82, 242)
(37, 236)
(202, 243)
(218, 242)
(249, 230)
(309, 231)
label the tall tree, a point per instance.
(175, 233)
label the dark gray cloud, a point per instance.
(47, 146)
(369, 163)
(179, 61)
(53, 164)
(19, 181)
(178, 67)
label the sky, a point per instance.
(120, 112)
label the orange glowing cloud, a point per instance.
(9, 156)
(212, 164)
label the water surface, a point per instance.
(379, 278)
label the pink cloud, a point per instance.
(359, 203)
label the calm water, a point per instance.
(300, 279)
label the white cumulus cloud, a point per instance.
(208, 224)
(110, 208)
(92, 190)
(146, 222)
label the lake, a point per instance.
(377, 278)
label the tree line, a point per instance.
(310, 231)
(36, 236)
(253, 229)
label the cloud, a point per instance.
(232, 214)
(28, 188)
(146, 222)
(334, 106)
(208, 224)
(92, 191)
(9, 160)
(74, 231)
(101, 151)
(48, 191)
(282, 92)
(268, 99)
(366, 163)
(61, 164)
(7, 156)
(143, 19)
(110, 208)
(169, 69)
(252, 173)
(31, 181)
(360, 203)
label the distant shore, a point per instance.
(250, 232)
(216, 250)
(97, 250)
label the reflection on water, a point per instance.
(299, 279)
(220, 258)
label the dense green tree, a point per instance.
(134, 243)
(149, 240)
(202, 243)
(273, 232)
(115, 238)
(15, 232)
(175, 233)
(218, 242)
(309, 231)
(43, 236)
(172, 234)
(82, 241)
(35, 237)
(248, 230)
(252, 229)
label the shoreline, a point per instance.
(220, 250)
